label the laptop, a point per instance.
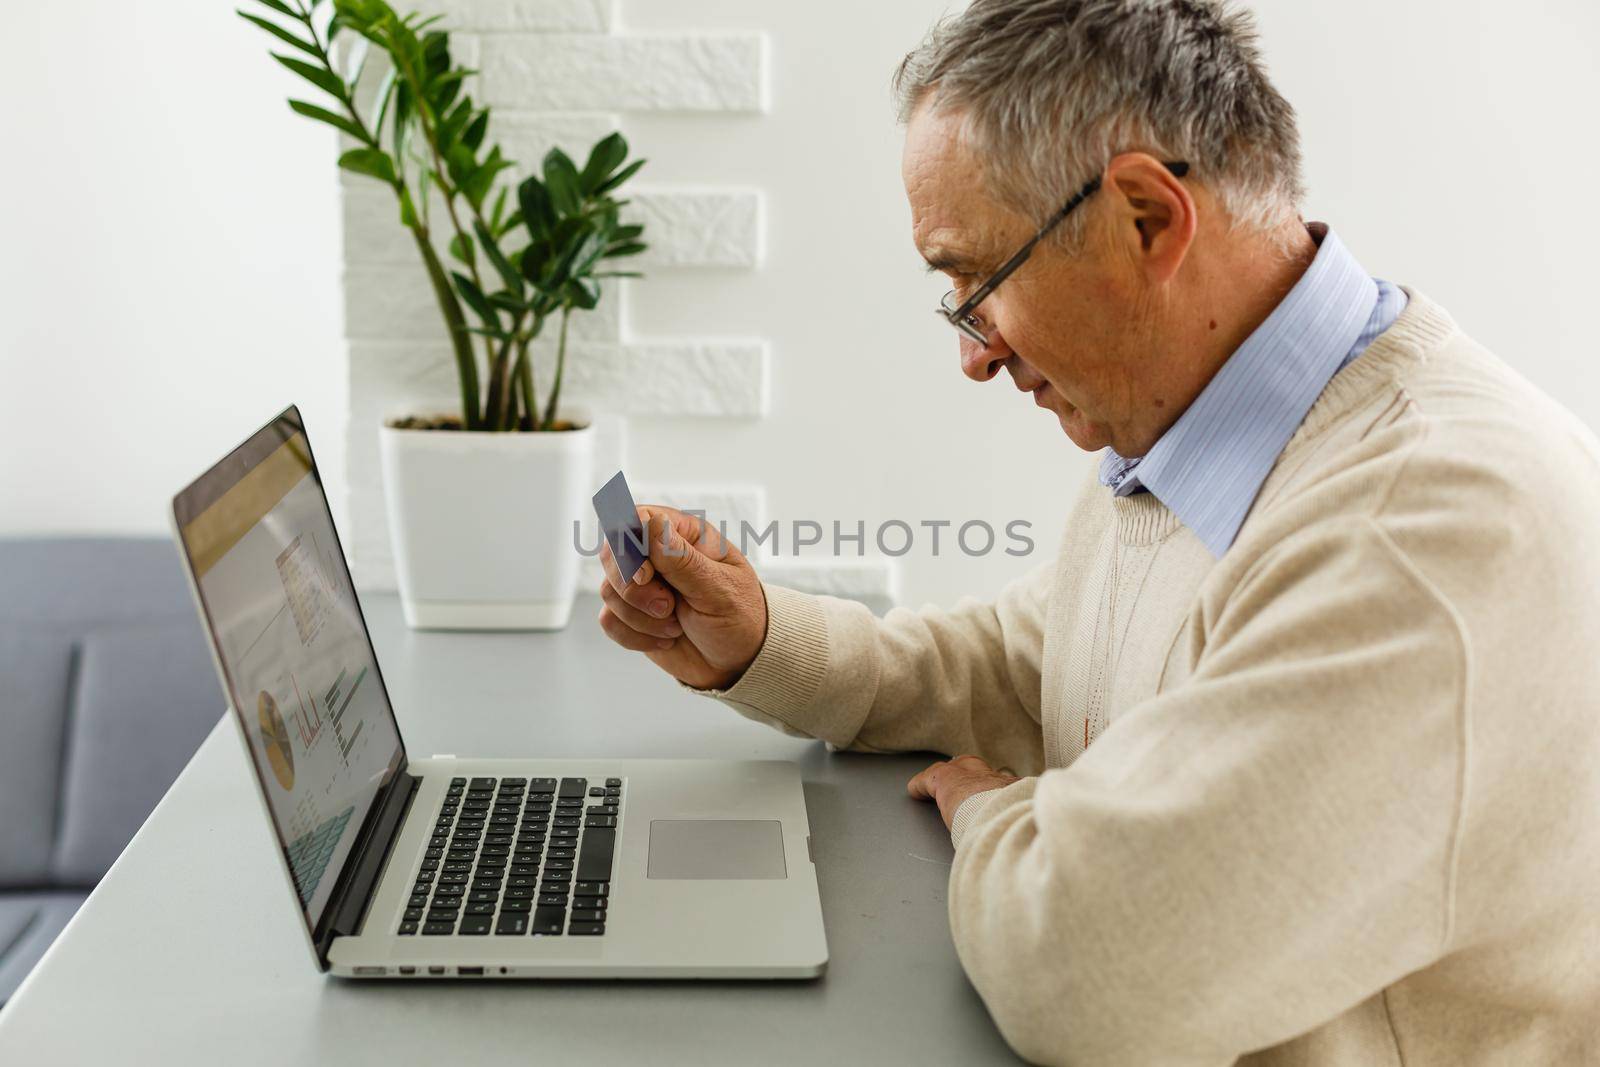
(500, 867)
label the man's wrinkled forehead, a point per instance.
(951, 210)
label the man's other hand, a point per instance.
(696, 607)
(949, 782)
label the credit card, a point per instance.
(619, 521)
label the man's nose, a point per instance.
(982, 362)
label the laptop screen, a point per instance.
(293, 648)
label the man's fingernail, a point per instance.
(661, 608)
(663, 644)
(638, 576)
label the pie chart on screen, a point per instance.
(275, 739)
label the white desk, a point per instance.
(188, 951)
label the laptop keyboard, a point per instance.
(518, 856)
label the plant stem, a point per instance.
(461, 341)
(449, 306)
(500, 386)
(524, 376)
(561, 366)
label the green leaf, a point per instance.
(626, 233)
(583, 293)
(561, 179)
(385, 95)
(461, 247)
(452, 124)
(533, 260)
(618, 274)
(370, 161)
(621, 176)
(503, 299)
(280, 33)
(506, 271)
(537, 211)
(606, 156)
(321, 77)
(280, 7)
(631, 248)
(472, 136)
(408, 211)
(481, 180)
(511, 222)
(460, 163)
(339, 122)
(497, 213)
(475, 298)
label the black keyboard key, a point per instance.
(484, 896)
(596, 791)
(588, 915)
(476, 924)
(500, 849)
(438, 928)
(512, 922)
(524, 870)
(417, 900)
(599, 822)
(594, 855)
(551, 885)
(600, 809)
(591, 889)
(413, 915)
(514, 781)
(480, 909)
(438, 916)
(573, 787)
(564, 832)
(591, 929)
(548, 920)
(458, 781)
(558, 865)
(570, 820)
(519, 892)
(546, 784)
(613, 792)
(408, 927)
(482, 783)
(552, 900)
(561, 854)
(550, 876)
(570, 802)
(516, 904)
(614, 783)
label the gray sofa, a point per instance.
(106, 690)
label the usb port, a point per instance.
(435, 970)
(370, 972)
(469, 970)
(408, 970)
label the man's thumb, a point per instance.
(681, 563)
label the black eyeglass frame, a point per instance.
(957, 316)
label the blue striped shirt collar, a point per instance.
(1210, 464)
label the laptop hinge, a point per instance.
(370, 852)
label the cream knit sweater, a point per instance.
(1331, 799)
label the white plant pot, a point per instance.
(482, 524)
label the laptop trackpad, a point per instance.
(716, 849)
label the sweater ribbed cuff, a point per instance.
(976, 809)
(791, 664)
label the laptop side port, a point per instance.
(370, 972)
(435, 970)
(469, 971)
(408, 970)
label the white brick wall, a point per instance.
(562, 72)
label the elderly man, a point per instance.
(1305, 708)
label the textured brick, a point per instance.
(525, 136)
(394, 302)
(854, 579)
(595, 16)
(698, 228)
(656, 72)
(718, 378)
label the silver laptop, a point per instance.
(469, 868)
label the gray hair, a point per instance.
(1048, 91)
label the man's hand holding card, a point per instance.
(693, 603)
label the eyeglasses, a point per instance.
(960, 315)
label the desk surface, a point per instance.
(188, 952)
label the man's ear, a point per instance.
(1156, 218)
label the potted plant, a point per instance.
(481, 501)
